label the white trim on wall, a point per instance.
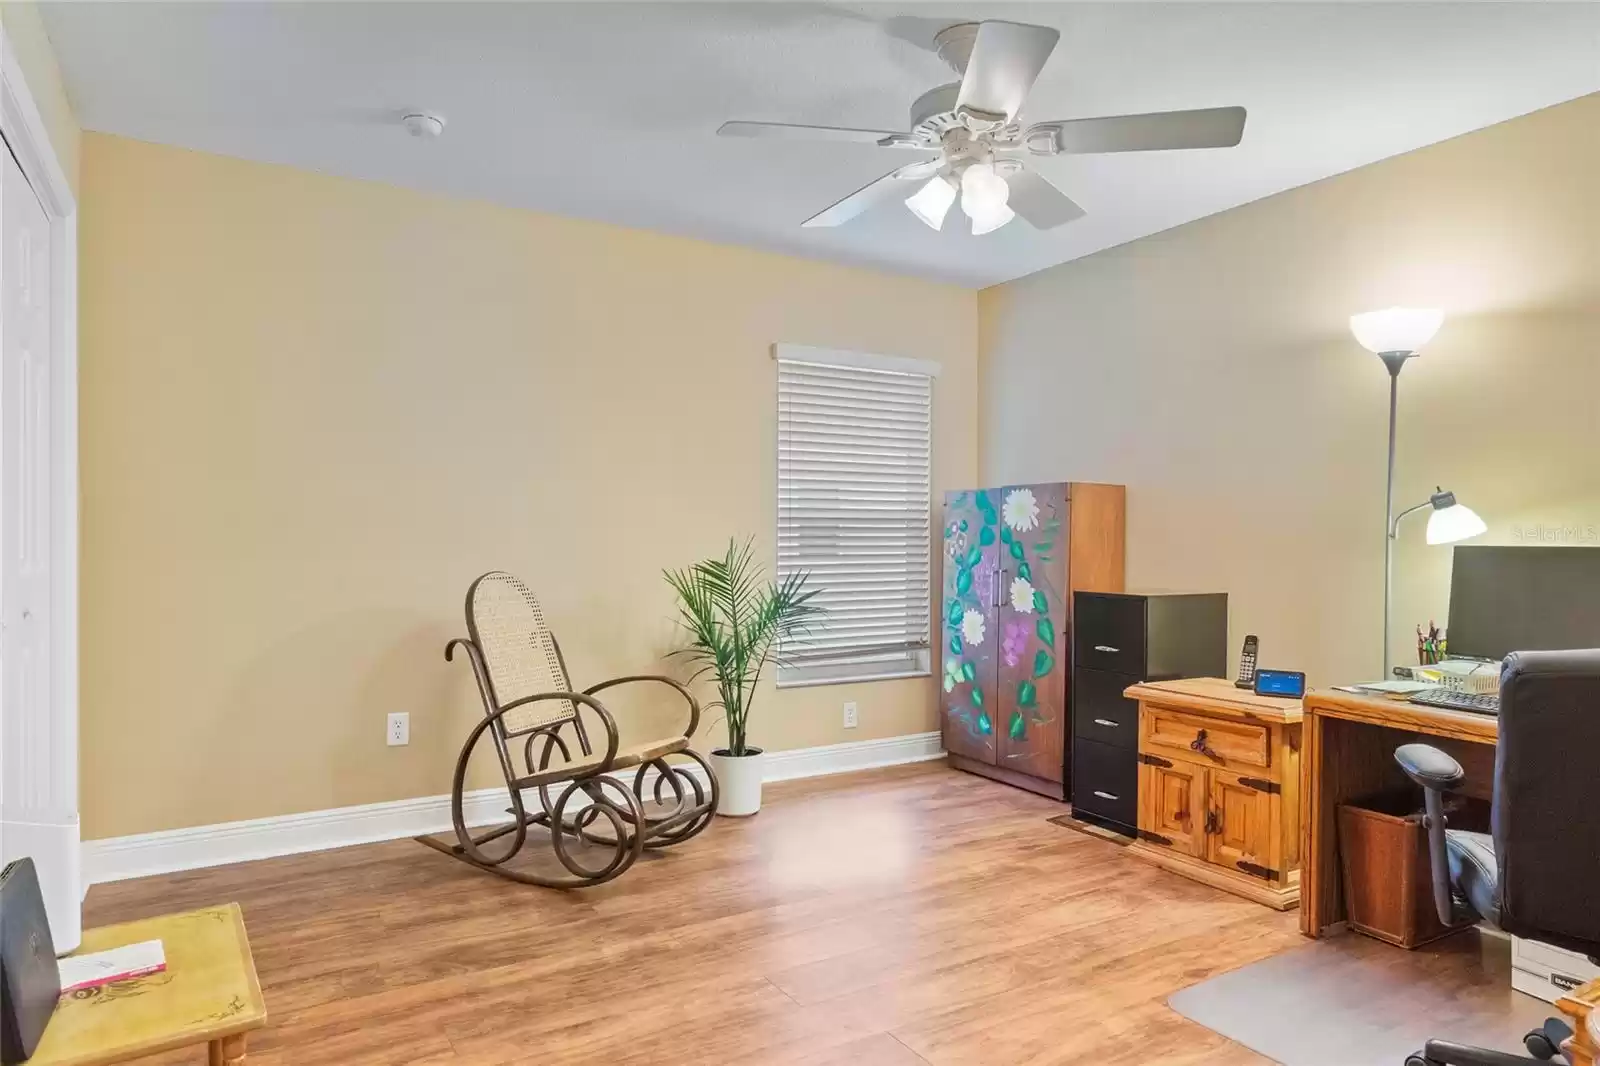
(899, 364)
(169, 851)
(52, 832)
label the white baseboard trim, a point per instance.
(173, 850)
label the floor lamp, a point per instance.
(1395, 335)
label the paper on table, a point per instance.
(118, 964)
(1398, 688)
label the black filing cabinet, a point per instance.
(1120, 639)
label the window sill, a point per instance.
(857, 679)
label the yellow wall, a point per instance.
(25, 31)
(314, 409)
(1212, 369)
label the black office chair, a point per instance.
(1535, 875)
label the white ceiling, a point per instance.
(607, 110)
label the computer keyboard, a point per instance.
(1450, 699)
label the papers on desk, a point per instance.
(1387, 688)
(118, 964)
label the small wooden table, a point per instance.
(208, 994)
(1219, 786)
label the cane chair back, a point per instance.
(519, 652)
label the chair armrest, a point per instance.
(1437, 773)
(1429, 767)
(694, 704)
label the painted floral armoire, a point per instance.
(1013, 557)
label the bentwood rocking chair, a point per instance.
(598, 826)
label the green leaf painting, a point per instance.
(1005, 534)
(1043, 663)
(1025, 572)
(1040, 604)
(1047, 632)
(970, 673)
(1017, 728)
(986, 537)
(952, 613)
(1027, 694)
(974, 557)
(963, 583)
(955, 644)
(984, 725)
(977, 696)
(1016, 550)
(983, 501)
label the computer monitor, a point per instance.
(1536, 598)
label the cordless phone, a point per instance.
(1247, 663)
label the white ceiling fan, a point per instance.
(972, 125)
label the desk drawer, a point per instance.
(1105, 781)
(1101, 712)
(1214, 741)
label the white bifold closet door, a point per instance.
(37, 808)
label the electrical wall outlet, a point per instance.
(399, 731)
(851, 720)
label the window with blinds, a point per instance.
(854, 503)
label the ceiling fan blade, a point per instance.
(1211, 127)
(795, 132)
(889, 187)
(1040, 203)
(1006, 60)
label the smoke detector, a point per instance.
(423, 123)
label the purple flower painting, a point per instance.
(1015, 642)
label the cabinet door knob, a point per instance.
(1213, 823)
(1106, 795)
(1108, 649)
(1105, 722)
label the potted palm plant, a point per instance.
(737, 621)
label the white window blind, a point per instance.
(854, 502)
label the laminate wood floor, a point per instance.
(902, 916)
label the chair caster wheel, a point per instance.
(1419, 1059)
(1539, 1045)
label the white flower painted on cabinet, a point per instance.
(972, 627)
(1020, 510)
(1021, 596)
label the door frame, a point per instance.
(25, 133)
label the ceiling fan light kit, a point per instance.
(980, 146)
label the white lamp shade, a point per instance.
(990, 220)
(983, 192)
(1396, 329)
(1453, 523)
(932, 202)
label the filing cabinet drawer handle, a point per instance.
(1108, 649)
(1105, 722)
(1106, 795)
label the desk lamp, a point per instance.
(1395, 335)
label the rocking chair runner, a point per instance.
(527, 697)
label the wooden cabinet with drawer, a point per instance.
(1219, 786)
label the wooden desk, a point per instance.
(208, 994)
(1580, 1005)
(1219, 786)
(1348, 753)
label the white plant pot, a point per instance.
(738, 781)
